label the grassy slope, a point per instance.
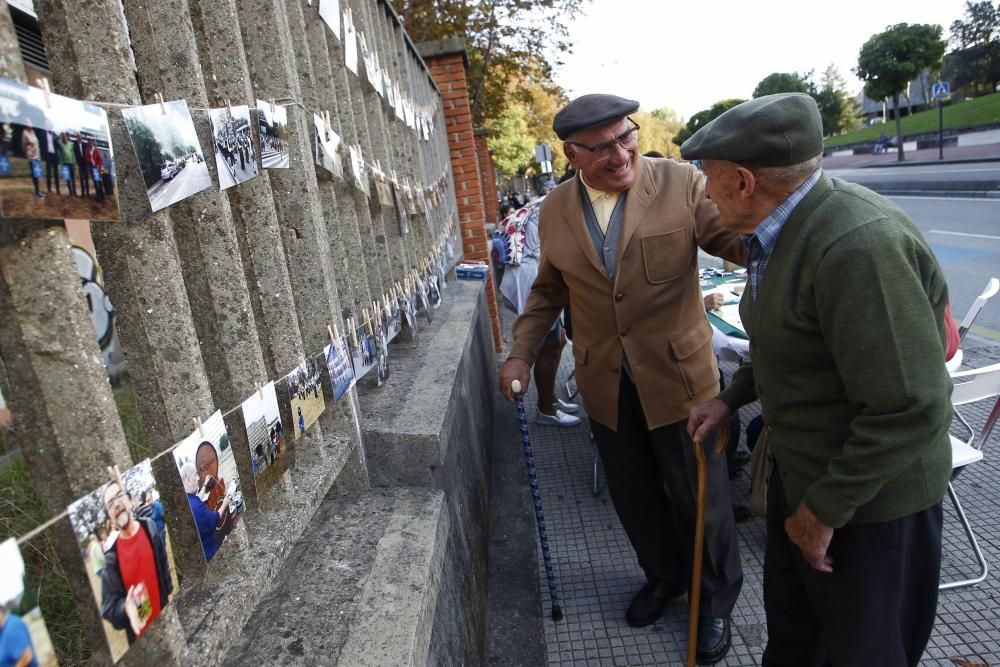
(980, 111)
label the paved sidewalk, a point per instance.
(954, 154)
(597, 573)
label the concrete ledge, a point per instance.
(356, 589)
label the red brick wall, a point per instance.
(448, 71)
(487, 177)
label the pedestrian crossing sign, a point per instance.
(941, 90)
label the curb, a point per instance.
(925, 163)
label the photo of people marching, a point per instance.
(272, 126)
(235, 156)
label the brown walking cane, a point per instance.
(694, 596)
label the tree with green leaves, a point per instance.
(510, 142)
(837, 106)
(147, 149)
(785, 82)
(891, 59)
(506, 40)
(974, 65)
(702, 118)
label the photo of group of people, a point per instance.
(265, 436)
(338, 365)
(408, 306)
(235, 155)
(382, 353)
(122, 537)
(55, 156)
(24, 639)
(433, 290)
(305, 393)
(359, 171)
(208, 473)
(170, 156)
(328, 147)
(272, 127)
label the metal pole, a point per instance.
(940, 129)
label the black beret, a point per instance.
(590, 110)
(770, 131)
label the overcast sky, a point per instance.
(688, 55)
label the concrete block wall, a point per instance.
(227, 289)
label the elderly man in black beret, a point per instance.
(620, 246)
(844, 309)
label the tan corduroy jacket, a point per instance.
(653, 312)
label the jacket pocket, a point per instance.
(692, 352)
(666, 256)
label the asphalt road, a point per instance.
(965, 235)
(193, 178)
(973, 176)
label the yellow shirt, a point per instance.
(603, 204)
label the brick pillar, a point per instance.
(448, 63)
(487, 176)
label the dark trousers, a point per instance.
(52, 171)
(876, 608)
(653, 479)
(84, 179)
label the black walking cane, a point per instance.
(529, 459)
(694, 597)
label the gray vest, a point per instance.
(606, 245)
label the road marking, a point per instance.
(975, 236)
(986, 200)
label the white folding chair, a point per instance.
(992, 287)
(972, 386)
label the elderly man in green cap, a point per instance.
(844, 308)
(619, 243)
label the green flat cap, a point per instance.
(770, 131)
(590, 110)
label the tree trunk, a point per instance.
(899, 128)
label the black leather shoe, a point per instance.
(714, 640)
(741, 513)
(650, 602)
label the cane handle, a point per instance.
(515, 386)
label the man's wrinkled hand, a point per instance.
(812, 537)
(514, 369)
(705, 418)
(714, 301)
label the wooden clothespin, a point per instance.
(229, 107)
(46, 91)
(115, 475)
(272, 106)
(198, 427)
(354, 332)
(163, 107)
(329, 329)
(260, 391)
(336, 333)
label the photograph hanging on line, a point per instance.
(170, 158)
(338, 365)
(350, 43)
(328, 148)
(404, 217)
(56, 160)
(305, 393)
(433, 290)
(123, 541)
(394, 319)
(381, 353)
(235, 155)
(363, 352)
(358, 170)
(24, 638)
(329, 11)
(408, 302)
(266, 437)
(208, 473)
(272, 127)
(424, 303)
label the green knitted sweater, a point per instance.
(847, 345)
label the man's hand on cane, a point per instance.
(514, 369)
(705, 418)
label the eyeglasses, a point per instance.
(603, 151)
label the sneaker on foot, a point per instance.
(560, 418)
(568, 408)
